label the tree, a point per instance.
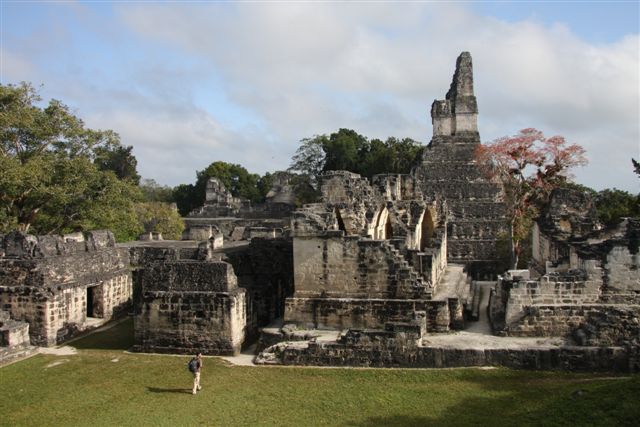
(348, 150)
(49, 179)
(528, 165)
(236, 179)
(264, 184)
(309, 158)
(612, 205)
(344, 149)
(120, 160)
(158, 217)
(187, 198)
(154, 192)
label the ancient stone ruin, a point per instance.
(397, 271)
(587, 285)
(61, 286)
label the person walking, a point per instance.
(195, 366)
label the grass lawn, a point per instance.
(104, 385)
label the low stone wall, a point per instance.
(191, 322)
(527, 293)
(590, 324)
(401, 351)
(54, 317)
(343, 313)
(13, 334)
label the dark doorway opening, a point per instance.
(94, 301)
(90, 301)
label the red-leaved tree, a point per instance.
(528, 165)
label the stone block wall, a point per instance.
(56, 316)
(343, 313)
(400, 350)
(56, 285)
(350, 267)
(190, 306)
(587, 324)
(13, 334)
(265, 270)
(527, 293)
(623, 271)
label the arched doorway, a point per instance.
(383, 228)
(426, 229)
(340, 221)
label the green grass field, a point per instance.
(104, 385)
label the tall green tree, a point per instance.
(309, 159)
(49, 179)
(154, 192)
(612, 205)
(348, 150)
(159, 217)
(344, 150)
(235, 178)
(120, 160)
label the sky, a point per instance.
(188, 83)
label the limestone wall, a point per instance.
(13, 334)
(343, 313)
(400, 350)
(56, 317)
(588, 324)
(350, 267)
(547, 291)
(190, 306)
(57, 284)
(623, 270)
(265, 270)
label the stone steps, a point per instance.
(11, 355)
(408, 280)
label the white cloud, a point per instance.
(301, 69)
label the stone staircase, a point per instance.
(409, 283)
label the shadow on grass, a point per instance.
(119, 337)
(552, 401)
(398, 420)
(169, 390)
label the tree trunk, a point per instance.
(515, 248)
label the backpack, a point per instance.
(193, 365)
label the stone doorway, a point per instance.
(426, 229)
(95, 302)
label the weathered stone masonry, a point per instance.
(589, 292)
(189, 306)
(57, 286)
(193, 299)
(449, 170)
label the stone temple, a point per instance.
(402, 270)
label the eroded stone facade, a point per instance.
(62, 286)
(589, 291)
(449, 170)
(189, 306)
(366, 258)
